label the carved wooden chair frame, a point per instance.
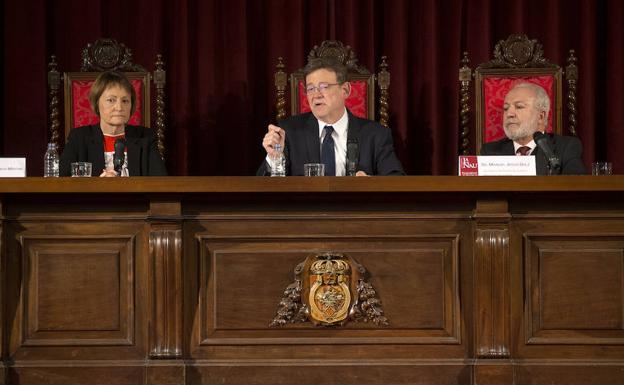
(346, 56)
(517, 57)
(106, 55)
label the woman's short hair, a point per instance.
(105, 80)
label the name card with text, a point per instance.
(496, 165)
(12, 167)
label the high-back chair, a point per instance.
(362, 100)
(104, 55)
(517, 59)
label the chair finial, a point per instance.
(280, 85)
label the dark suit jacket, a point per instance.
(567, 148)
(303, 145)
(86, 144)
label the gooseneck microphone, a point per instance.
(353, 155)
(554, 163)
(120, 156)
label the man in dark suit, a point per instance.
(525, 112)
(321, 136)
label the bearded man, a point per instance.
(526, 111)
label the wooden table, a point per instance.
(174, 280)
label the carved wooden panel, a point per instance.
(166, 291)
(2, 300)
(78, 290)
(574, 289)
(108, 373)
(242, 279)
(492, 292)
(360, 372)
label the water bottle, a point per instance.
(278, 161)
(51, 161)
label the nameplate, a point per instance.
(12, 167)
(496, 165)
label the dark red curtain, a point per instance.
(220, 59)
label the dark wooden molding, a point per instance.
(165, 280)
(492, 295)
(3, 323)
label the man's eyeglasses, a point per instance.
(322, 88)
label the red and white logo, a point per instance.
(468, 165)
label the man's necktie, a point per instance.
(328, 157)
(524, 150)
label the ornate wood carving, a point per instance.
(108, 55)
(492, 294)
(280, 85)
(165, 280)
(329, 290)
(159, 81)
(344, 54)
(465, 75)
(571, 74)
(518, 51)
(383, 79)
(54, 83)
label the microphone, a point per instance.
(119, 156)
(353, 155)
(554, 163)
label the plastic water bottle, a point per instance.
(51, 161)
(278, 161)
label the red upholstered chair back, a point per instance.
(362, 100)
(516, 60)
(103, 55)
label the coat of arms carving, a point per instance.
(330, 289)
